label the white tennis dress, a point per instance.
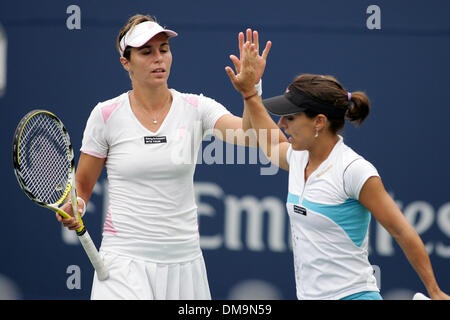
(329, 226)
(150, 236)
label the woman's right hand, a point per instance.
(70, 223)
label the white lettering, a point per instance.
(74, 20)
(195, 310)
(74, 280)
(239, 137)
(274, 137)
(204, 209)
(374, 20)
(254, 209)
(246, 219)
(443, 221)
(213, 152)
(420, 215)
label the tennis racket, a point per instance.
(44, 166)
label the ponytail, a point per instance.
(329, 90)
(359, 108)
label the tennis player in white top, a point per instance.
(332, 190)
(148, 140)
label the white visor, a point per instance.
(140, 34)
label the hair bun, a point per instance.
(359, 107)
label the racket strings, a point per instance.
(45, 158)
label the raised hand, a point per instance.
(244, 81)
(252, 38)
(250, 65)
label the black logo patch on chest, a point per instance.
(299, 210)
(153, 140)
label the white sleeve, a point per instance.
(356, 174)
(94, 140)
(210, 111)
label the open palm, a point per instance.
(260, 63)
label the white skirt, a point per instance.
(133, 279)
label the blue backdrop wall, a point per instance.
(403, 66)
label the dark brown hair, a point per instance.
(329, 90)
(131, 23)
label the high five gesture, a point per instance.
(244, 80)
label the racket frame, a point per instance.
(83, 235)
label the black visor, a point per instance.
(295, 101)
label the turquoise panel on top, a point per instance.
(293, 198)
(364, 295)
(351, 216)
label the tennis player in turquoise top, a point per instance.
(333, 191)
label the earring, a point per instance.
(317, 134)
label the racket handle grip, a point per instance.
(94, 256)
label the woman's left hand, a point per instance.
(261, 59)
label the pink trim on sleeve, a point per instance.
(107, 110)
(94, 154)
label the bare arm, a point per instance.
(260, 63)
(375, 198)
(87, 173)
(270, 138)
(230, 128)
(233, 129)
